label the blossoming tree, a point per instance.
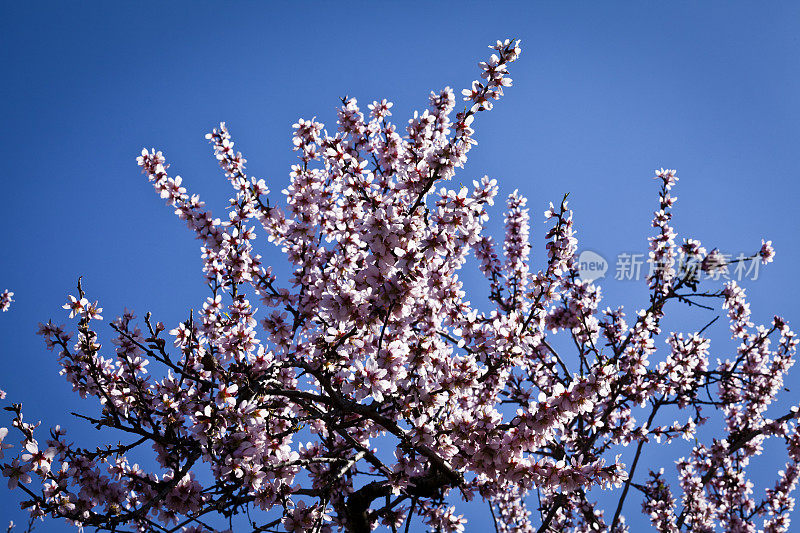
(368, 392)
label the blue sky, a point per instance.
(603, 94)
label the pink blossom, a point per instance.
(5, 300)
(75, 306)
(4, 445)
(16, 473)
(767, 252)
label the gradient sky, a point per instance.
(603, 94)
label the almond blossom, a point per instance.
(365, 389)
(4, 445)
(5, 300)
(17, 473)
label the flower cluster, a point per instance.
(365, 390)
(5, 300)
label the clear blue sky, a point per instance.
(603, 94)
